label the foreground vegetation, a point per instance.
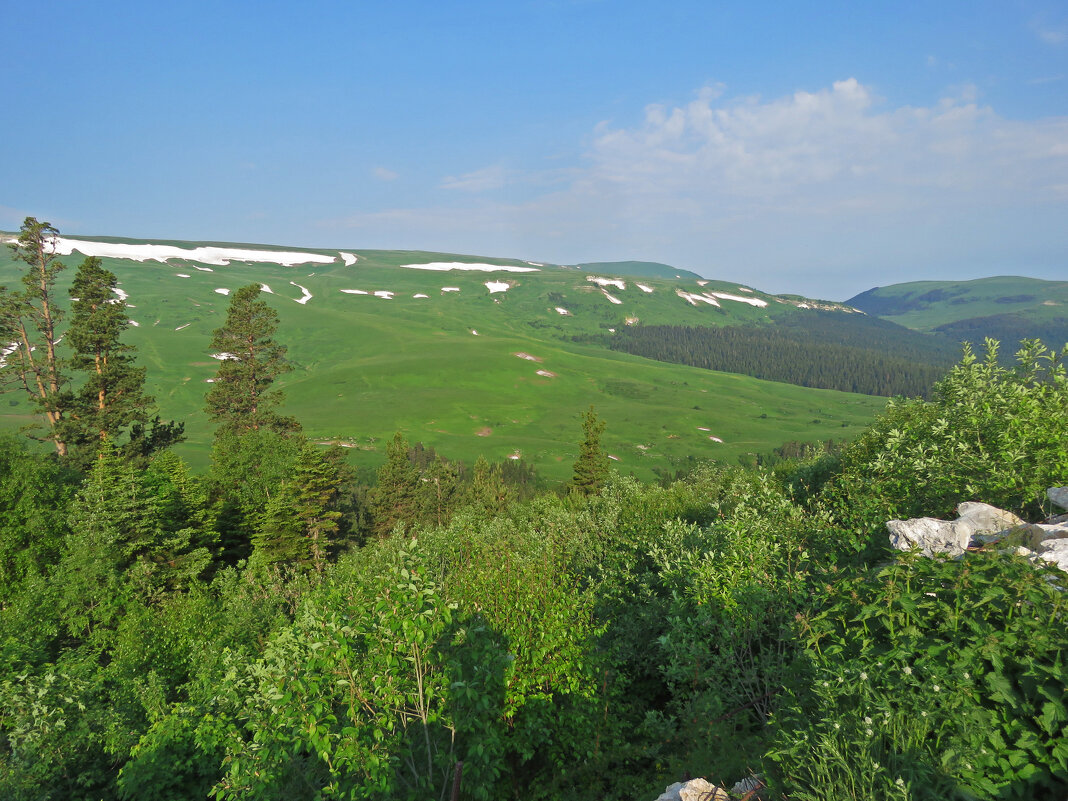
(166, 636)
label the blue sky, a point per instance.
(819, 148)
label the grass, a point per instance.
(366, 367)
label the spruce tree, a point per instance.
(241, 398)
(112, 396)
(591, 467)
(487, 491)
(28, 324)
(318, 480)
(395, 496)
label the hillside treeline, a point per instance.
(866, 359)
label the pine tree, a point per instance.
(591, 467)
(241, 398)
(28, 321)
(112, 397)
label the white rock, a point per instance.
(1058, 496)
(952, 537)
(693, 790)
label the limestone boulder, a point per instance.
(694, 790)
(1058, 496)
(975, 521)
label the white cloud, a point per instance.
(1052, 36)
(485, 179)
(383, 174)
(751, 188)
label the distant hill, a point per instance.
(1007, 308)
(468, 354)
(638, 269)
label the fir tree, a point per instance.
(591, 467)
(28, 321)
(241, 398)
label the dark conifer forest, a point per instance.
(825, 350)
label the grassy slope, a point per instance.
(367, 366)
(925, 305)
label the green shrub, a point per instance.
(931, 679)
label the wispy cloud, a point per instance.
(384, 174)
(810, 180)
(483, 180)
(1052, 36)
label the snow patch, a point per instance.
(701, 428)
(203, 269)
(716, 439)
(183, 275)
(384, 293)
(563, 311)
(528, 357)
(5, 352)
(223, 356)
(354, 292)
(603, 282)
(446, 266)
(222, 291)
(420, 295)
(305, 297)
(744, 289)
(644, 288)
(179, 328)
(612, 298)
(497, 286)
(613, 458)
(545, 373)
(702, 283)
(751, 301)
(134, 323)
(693, 299)
(266, 289)
(349, 258)
(535, 264)
(450, 289)
(473, 331)
(220, 257)
(119, 294)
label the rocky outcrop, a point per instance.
(952, 537)
(693, 790)
(747, 789)
(979, 525)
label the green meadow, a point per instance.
(466, 370)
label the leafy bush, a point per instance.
(991, 434)
(931, 679)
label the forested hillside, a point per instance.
(275, 627)
(850, 354)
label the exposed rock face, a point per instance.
(694, 790)
(951, 537)
(1058, 496)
